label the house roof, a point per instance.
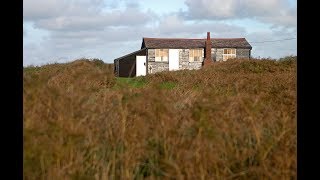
(194, 43)
(135, 52)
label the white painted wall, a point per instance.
(141, 69)
(173, 59)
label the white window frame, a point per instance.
(191, 55)
(226, 56)
(159, 58)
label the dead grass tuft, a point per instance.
(234, 120)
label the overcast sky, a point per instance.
(64, 30)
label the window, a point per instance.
(161, 55)
(195, 55)
(228, 53)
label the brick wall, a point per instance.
(184, 60)
(243, 53)
(218, 54)
(184, 63)
(154, 67)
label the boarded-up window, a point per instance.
(161, 55)
(228, 53)
(195, 55)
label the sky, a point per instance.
(66, 30)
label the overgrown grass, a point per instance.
(137, 82)
(232, 120)
(167, 85)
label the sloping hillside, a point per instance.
(233, 120)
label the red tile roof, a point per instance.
(194, 43)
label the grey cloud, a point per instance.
(173, 25)
(273, 49)
(276, 12)
(117, 3)
(170, 26)
(35, 54)
(200, 9)
(49, 52)
(92, 38)
(286, 19)
(118, 18)
(106, 44)
(38, 9)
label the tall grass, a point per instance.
(232, 120)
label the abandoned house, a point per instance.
(169, 54)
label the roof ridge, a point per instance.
(200, 42)
(229, 38)
(191, 38)
(173, 38)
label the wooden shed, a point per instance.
(131, 65)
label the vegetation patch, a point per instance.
(130, 82)
(168, 85)
(232, 120)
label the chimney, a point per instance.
(208, 60)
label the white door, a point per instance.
(173, 59)
(141, 66)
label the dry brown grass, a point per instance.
(233, 120)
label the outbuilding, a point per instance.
(169, 54)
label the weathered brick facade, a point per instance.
(216, 55)
(243, 53)
(154, 67)
(151, 55)
(184, 60)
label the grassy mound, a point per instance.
(232, 120)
